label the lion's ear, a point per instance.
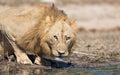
(49, 19)
(74, 25)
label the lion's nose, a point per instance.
(61, 53)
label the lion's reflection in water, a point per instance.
(12, 68)
(31, 71)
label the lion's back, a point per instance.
(19, 20)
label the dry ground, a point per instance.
(94, 16)
(97, 48)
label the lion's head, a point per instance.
(59, 39)
(54, 35)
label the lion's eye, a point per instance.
(67, 37)
(55, 37)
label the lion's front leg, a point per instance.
(21, 56)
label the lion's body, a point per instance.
(19, 20)
(32, 27)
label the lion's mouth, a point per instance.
(57, 54)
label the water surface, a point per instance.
(36, 70)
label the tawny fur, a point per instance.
(30, 26)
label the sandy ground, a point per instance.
(94, 16)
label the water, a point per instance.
(30, 70)
(57, 68)
(114, 70)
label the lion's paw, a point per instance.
(23, 59)
(37, 61)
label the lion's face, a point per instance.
(60, 39)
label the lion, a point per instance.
(42, 29)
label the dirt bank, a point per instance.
(98, 47)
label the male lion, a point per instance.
(43, 30)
